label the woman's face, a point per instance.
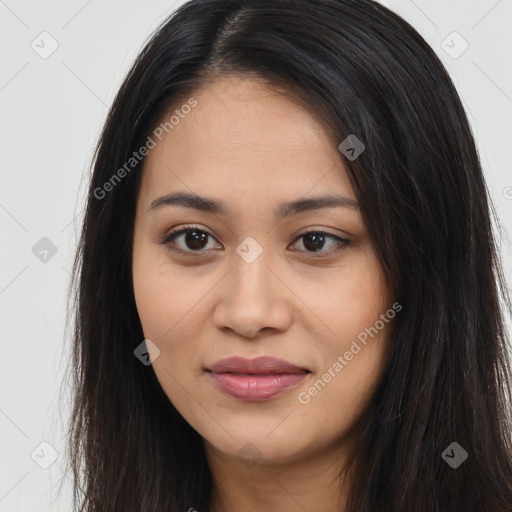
(249, 284)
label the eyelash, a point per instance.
(169, 237)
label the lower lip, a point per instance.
(255, 388)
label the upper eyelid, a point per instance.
(180, 231)
(307, 231)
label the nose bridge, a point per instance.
(251, 276)
(252, 297)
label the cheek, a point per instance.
(353, 354)
(168, 309)
(163, 296)
(171, 309)
(347, 379)
(350, 300)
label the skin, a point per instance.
(253, 148)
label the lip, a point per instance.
(256, 379)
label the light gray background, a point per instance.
(51, 111)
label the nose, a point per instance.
(253, 299)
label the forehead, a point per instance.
(242, 138)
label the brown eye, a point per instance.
(193, 240)
(315, 241)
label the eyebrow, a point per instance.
(209, 205)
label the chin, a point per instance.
(259, 443)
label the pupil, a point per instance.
(195, 239)
(319, 239)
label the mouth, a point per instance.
(256, 379)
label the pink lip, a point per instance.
(255, 379)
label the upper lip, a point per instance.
(258, 365)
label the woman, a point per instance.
(288, 291)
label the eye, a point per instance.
(314, 241)
(195, 240)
